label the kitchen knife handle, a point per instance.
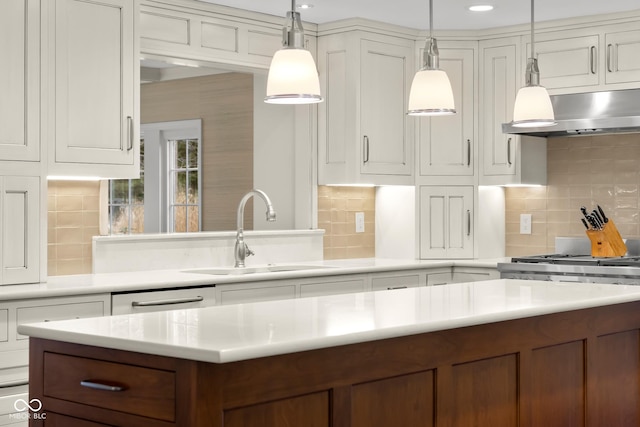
(468, 222)
(509, 152)
(365, 140)
(584, 221)
(609, 58)
(604, 217)
(468, 152)
(592, 59)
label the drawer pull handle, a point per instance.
(396, 287)
(366, 149)
(101, 385)
(166, 301)
(129, 133)
(15, 383)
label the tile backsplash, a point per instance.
(581, 171)
(73, 219)
(337, 207)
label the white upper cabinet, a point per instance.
(567, 59)
(94, 68)
(505, 159)
(622, 60)
(200, 31)
(364, 134)
(384, 72)
(20, 219)
(592, 59)
(447, 143)
(20, 80)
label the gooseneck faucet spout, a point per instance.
(241, 249)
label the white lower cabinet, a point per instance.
(327, 286)
(471, 274)
(14, 348)
(238, 293)
(446, 221)
(397, 280)
(20, 219)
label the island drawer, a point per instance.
(136, 390)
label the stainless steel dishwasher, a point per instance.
(162, 299)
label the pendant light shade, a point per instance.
(293, 77)
(533, 106)
(431, 93)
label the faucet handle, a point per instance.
(248, 252)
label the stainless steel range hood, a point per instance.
(590, 113)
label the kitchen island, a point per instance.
(494, 353)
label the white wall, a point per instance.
(273, 158)
(396, 222)
(490, 228)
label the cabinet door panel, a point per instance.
(383, 108)
(498, 96)
(332, 288)
(94, 82)
(568, 62)
(446, 220)
(271, 293)
(20, 230)
(623, 57)
(311, 410)
(446, 143)
(19, 80)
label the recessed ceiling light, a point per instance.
(305, 6)
(480, 8)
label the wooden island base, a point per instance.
(573, 369)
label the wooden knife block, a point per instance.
(607, 242)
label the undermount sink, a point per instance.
(275, 268)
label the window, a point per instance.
(126, 202)
(166, 198)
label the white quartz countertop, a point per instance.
(229, 333)
(159, 279)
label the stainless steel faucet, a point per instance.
(241, 249)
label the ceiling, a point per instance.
(447, 14)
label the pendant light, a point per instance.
(431, 93)
(533, 106)
(293, 77)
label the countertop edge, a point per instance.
(257, 350)
(87, 284)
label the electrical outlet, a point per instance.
(525, 223)
(359, 222)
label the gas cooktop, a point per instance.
(564, 259)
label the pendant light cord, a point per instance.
(430, 18)
(533, 43)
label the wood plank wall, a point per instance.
(224, 102)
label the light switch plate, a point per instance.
(525, 223)
(359, 222)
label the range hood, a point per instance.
(592, 113)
